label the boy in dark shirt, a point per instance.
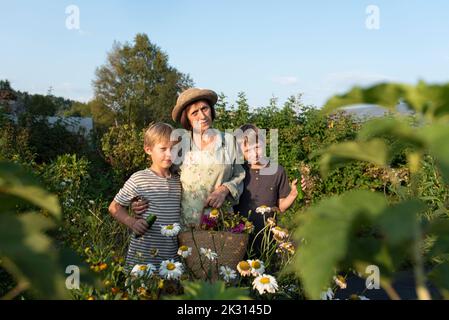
(270, 190)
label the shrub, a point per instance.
(123, 150)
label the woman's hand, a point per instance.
(139, 206)
(216, 198)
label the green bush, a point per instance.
(123, 150)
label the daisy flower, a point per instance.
(214, 213)
(244, 268)
(184, 251)
(327, 295)
(170, 269)
(249, 226)
(140, 270)
(340, 281)
(170, 230)
(227, 273)
(257, 267)
(265, 283)
(271, 222)
(286, 247)
(279, 233)
(263, 209)
(209, 254)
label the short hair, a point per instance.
(185, 121)
(249, 128)
(157, 132)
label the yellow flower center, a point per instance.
(171, 266)
(183, 248)
(170, 227)
(256, 264)
(214, 212)
(143, 268)
(244, 265)
(265, 280)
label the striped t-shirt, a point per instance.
(164, 200)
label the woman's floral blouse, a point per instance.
(202, 171)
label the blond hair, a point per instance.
(156, 133)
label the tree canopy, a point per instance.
(138, 83)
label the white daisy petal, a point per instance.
(170, 269)
(327, 295)
(140, 270)
(244, 268)
(265, 283)
(208, 253)
(170, 230)
(257, 267)
(227, 273)
(184, 251)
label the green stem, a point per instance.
(421, 290)
(391, 292)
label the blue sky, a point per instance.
(264, 48)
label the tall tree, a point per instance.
(138, 83)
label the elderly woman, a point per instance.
(209, 170)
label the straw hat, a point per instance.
(191, 95)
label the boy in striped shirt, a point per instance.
(161, 188)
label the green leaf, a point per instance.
(396, 128)
(439, 228)
(32, 257)
(202, 290)
(440, 277)
(374, 151)
(431, 101)
(384, 94)
(399, 222)
(15, 181)
(329, 229)
(437, 139)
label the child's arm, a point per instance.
(285, 203)
(138, 226)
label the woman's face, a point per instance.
(199, 115)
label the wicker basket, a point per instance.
(230, 248)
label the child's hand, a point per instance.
(139, 206)
(294, 190)
(303, 184)
(139, 226)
